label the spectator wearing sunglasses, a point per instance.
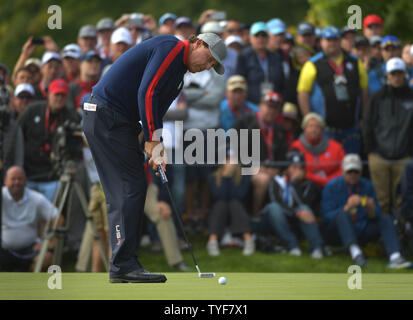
(390, 47)
(352, 217)
(388, 134)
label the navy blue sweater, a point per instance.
(143, 82)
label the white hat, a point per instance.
(121, 35)
(34, 61)
(395, 64)
(72, 50)
(213, 27)
(233, 39)
(352, 161)
(24, 87)
(50, 55)
(309, 116)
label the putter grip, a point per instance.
(162, 174)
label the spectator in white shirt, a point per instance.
(23, 213)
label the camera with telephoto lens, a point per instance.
(66, 145)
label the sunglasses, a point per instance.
(261, 34)
(352, 171)
(397, 73)
(24, 96)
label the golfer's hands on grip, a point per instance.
(156, 154)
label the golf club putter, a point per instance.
(164, 180)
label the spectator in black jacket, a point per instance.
(228, 188)
(262, 68)
(293, 199)
(273, 146)
(39, 122)
(388, 134)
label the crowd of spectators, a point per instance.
(334, 108)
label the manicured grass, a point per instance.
(232, 260)
(187, 286)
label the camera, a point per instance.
(37, 40)
(218, 16)
(66, 145)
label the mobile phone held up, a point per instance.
(218, 16)
(37, 40)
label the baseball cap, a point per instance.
(50, 55)
(236, 82)
(58, 86)
(375, 39)
(105, 23)
(183, 20)
(331, 32)
(217, 48)
(167, 16)
(233, 39)
(305, 28)
(24, 87)
(361, 41)
(89, 55)
(395, 64)
(288, 37)
(71, 50)
(272, 98)
(295, 157)
(290, 111)
(87, 31)
(352, 161)
(258, 27)
(372, 19)
(390, 40)
(347, 29)
(136, 20)
(276, 26)
(309, 116)
(121, 34)
(213, 27)
(35, 61)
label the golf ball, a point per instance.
(222, 280)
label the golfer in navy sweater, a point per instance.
(139, 86)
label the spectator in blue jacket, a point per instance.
(229, 188)
(236, 105)
(390, 48)
(262, 68)
(352, 216)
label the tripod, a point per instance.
(63, 198)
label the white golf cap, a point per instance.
(233, 39)
(24, 87)
(213, 27)
(352, 161)
(121, 35)
(72, 50)
(35, 61)
(217, 48)
(395, 64)
(50, 55)
(105, 23)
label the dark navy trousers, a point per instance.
(113, 141)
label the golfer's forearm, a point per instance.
(304, 102)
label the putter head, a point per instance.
(204, 275)
(207, 275)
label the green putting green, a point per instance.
(188, 286)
